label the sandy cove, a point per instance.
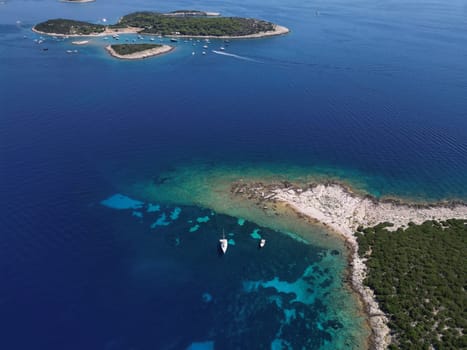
(142, 54)
(339, 208)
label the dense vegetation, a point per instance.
(181, 22)
(69, 27)
(157, 23)
(127, 49)
(420, 277)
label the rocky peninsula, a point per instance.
(344, 211)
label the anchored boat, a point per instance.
(223, 243)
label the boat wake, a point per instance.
(243, 58)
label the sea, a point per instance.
(371, 93)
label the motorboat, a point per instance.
(80, 42)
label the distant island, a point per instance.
(177, 23)
(69, 27)
(137, 51)
(191, 13)
(77, 1)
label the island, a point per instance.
(137, 51)
(69, 27)
(183, 23)
(407, 260)
(77, 1)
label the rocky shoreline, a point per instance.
(339, 208)
(278, 30)
(107, 31)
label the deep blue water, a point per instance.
(371, 89)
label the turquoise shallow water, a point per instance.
(372, 93)
(290, 292)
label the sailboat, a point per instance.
(223, 243)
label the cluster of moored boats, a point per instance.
(224, 243)
(116, 36)
(205, 46)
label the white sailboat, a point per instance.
(223, 243)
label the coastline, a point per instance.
(107, 31)
(142, 54)
(191, 13)
(303, 202)
(77, 1)
(342, 210)
(278, 30)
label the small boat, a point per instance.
(80, 42)
(174, 40)
(223, 243)
(222, 48)
(205, 46)
(152, 39)
(262, 242)
(204, 52)
(193, 53)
